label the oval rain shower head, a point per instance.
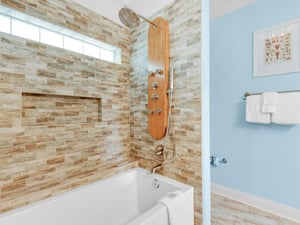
(130, 19)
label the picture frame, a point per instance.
(276, 50)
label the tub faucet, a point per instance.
(155, 168)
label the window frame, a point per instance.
(65, 33)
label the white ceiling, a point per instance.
(110, 8)
(221, 7)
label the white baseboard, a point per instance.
(257, 202)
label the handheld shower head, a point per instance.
(130, 19)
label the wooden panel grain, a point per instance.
(158, 62)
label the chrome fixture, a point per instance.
(171, 77)
(154, 85)
(259, 93)
(158, 111)
(159, 71)
(161, 153)
(155, 183)
(155, 168)
(170, 93)
(131, 19)
(154, 96)
(216, 161)
(152, 73)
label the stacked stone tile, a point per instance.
(64, 118)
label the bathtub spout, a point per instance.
(155, 168)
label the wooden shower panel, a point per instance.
(158, 67)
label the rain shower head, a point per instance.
(130, 19)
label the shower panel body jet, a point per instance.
(160, 80)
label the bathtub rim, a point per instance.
(182, 186)
(150, 213)
(257, 202)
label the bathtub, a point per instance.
(128, 198)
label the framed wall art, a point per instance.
(277, 49)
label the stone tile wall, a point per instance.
(185, 134)
(41, 156)
(64, 118)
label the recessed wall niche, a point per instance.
(58, 110)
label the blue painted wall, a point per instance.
(263, 160)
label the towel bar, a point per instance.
(259, 93)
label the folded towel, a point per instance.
(176, 205)
(269, 102)
(288, 109)
(253, 110)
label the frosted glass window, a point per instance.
(25, 30)
(107, 55)
(5, 24)
(91, 50)
(73, 44)
(51, 38)
(25, 26)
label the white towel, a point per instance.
(253, 110)
(288, 109)
(176, 205)
(269, 102)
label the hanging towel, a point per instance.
(176, 206)
(269, 102)
(253, 110)
(288, 109)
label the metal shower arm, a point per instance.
(147, 20)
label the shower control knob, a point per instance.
(158, 111)
(151, 73)
(154, 96)
(159, 153)
(159, 71)
(154, 85)
(216, 161)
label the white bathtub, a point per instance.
(128, 198)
